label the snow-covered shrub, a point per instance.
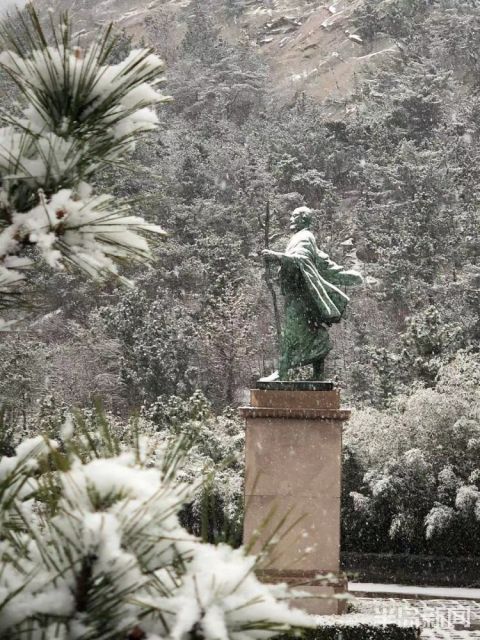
(81, 115)
(420, 486)
(357, 626)
(216, 453)
(215, 449)
(438, 519)
(92, 548)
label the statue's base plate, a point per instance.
(295, 385)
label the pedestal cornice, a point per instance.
(340, 415)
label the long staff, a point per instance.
(268, 270)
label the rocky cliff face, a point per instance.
(311, 46)
(314, 48)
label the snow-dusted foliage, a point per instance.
(422, 488)
(92, 548)
(216, 453)
(82, 114)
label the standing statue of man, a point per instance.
(309, 282)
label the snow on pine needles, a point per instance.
(93, 548)
(83, 114)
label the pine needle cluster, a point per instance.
(82, 113)
(92, 549)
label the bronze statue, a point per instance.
(313, 302)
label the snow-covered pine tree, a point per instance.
(82, 113)
(92, 549)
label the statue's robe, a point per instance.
(310, 283)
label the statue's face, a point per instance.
(297, 221)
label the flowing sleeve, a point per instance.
(330, 301)
(334, 273)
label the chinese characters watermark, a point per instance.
(429, 616)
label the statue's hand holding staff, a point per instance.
(272, 255)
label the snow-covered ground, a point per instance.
(413, 591)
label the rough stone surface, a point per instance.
(293, 476)
(286, 399)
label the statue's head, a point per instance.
(301, 218)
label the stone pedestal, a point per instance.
(293, 483)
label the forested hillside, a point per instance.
(382, 141)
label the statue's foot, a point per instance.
(271, 378)
(318, 370)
